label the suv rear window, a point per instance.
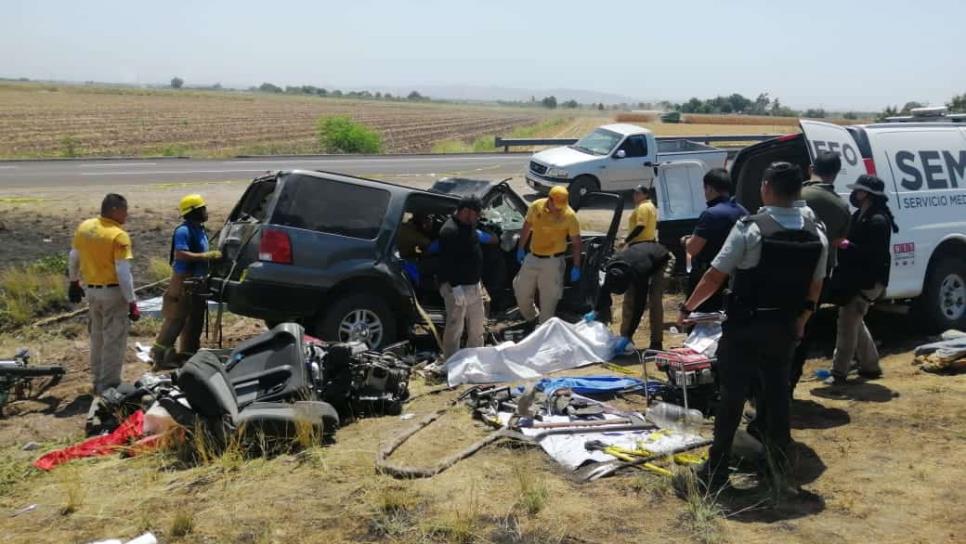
(332, 207)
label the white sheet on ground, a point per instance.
(555, 345)
(569, 450)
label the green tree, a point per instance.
(850, 115)
(909, 106)
(269, 88)
(340, 134)
(549, 102)
(890, 111)
(415, 96)
(572, 104)
(177, 83)
(815, 113)
(957, 104)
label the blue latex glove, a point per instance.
(574, 275)
(520, 255)
(590, 316)
(621, 345)
(484, 237)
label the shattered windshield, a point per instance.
(501, 213)
(598, 142)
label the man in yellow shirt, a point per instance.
(549, 223)
(100, 256)
(642, 223)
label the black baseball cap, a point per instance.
(471, 203)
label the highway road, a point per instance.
(70, 174)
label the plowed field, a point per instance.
(63, 120)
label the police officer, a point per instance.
(183, 305)
(460, 271)
(100, 256)
(549, 223)
(776, 260)
(709, 235)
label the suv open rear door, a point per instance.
(821, 136)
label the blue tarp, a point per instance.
(590, 385)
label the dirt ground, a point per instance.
(882, 463)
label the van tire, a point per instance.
(580, 186)
(942, 304)
(357, 311)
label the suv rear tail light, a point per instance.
(869, 166)
(788, 137)
(275, 247)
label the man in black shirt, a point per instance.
(460, 269)
(713, 227)
(630, 273)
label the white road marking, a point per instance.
(118, 165)
(8, 167)
(159, 172)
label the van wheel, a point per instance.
(943, 301)
(359, 317)
(580, 186)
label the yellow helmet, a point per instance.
(190, 203)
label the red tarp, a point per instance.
(130, 430)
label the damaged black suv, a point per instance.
(319, 248)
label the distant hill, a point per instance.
(492, 93)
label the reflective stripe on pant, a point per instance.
(184, 316)
(545, 275)
(109, 326)
(852, 338)
(470, 314)
(653, 295)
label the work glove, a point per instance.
(520, 255)
(623, 345)
(590, 317)
(459, 296)
(485, 237)
(133, 313)
(212, 255)
(75, 292)
(574, 275)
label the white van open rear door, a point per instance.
(828, 137)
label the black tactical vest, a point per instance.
(778, 285)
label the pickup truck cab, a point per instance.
(616, 157)
(923, 165)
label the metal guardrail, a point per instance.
(507, 143)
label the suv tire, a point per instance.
(580, 186)
(943, 301)
(360, 316)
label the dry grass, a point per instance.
(158, 269)
(27, 292)
(638, 117)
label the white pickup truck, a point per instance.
(620, 157)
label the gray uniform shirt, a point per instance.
(742, 248)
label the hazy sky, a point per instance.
(835, 54)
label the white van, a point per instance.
(924, 169)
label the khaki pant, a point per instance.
(184, 317)
(109, 326)
(545, 275)
(470, 314)
(652, 295)
(852, 336)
